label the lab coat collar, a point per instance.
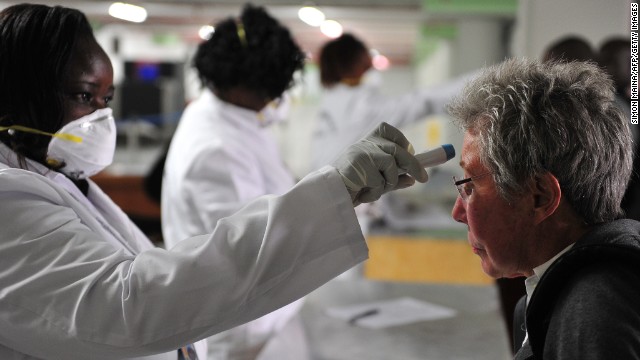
(11, 159)
(118, 229)
(238, 112)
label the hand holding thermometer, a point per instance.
(437, 156)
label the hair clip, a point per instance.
(242, 35)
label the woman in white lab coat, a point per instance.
(223, 153)
(78, 280)
(351, 106)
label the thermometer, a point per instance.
(437, 156)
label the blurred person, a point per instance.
(80, 281)
(615, 57)
(546, 158)
(351, 103)
(569, 48)
(223, 153)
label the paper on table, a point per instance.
(389, 313)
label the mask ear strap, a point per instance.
(63, 136)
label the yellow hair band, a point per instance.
(63, 136)
(242, 35)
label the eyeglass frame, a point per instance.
(462, 190)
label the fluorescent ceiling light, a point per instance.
(311, 15)
(331, 28)
(128, 12)
(206, 32)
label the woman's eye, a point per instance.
(86, 97)
(81, 97)
(108, 99)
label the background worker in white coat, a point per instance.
(78, 280)
(350, 106)
(224, 154)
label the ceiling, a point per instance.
(389, 26)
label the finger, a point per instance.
(405, 181)
(392, 134)
(385, 163)
(371, 194)
(411, 165)
(403, 160)
(389, 171)
(375, 188)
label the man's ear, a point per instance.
(547, 194)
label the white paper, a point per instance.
(389, 313)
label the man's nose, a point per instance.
(459, 212)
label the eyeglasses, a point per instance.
(464, 186)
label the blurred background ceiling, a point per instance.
(389, 26)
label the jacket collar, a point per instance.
(617, 241)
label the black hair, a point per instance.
(37, 42)
(253, 51)
(611, 51)
(338, 57)
(571, 48)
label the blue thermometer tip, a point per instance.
(449, 150)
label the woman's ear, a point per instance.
(547, 194)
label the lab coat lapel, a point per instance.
(99, 213)
(129, 233)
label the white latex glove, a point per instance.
(372, 166)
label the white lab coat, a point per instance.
(78, 280)
(221, 157)
(348, 113)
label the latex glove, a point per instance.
(372, 166)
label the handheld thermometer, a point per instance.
(437, 156)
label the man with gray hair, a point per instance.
(546, 158)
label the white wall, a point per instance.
(541, 22)
(479, 43)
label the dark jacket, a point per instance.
(587, 303)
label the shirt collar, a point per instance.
(532, 281)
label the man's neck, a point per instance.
(555, 233)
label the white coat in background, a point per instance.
(347, 113)
(221, 157)
(78, 280)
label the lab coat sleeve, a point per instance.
(66, 293)
(345, 116)
(408, 108)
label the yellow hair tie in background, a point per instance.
(242, 35)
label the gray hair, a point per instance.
(532, 118)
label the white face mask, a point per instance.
(88, 157)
